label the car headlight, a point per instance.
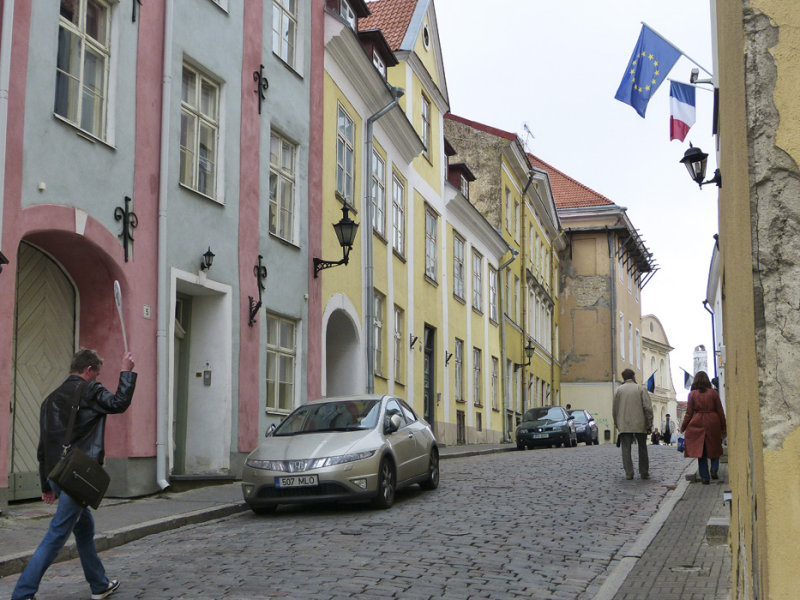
(267, 465)
(331, 461)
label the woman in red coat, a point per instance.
(704, 426)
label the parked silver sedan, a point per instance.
(336, 449)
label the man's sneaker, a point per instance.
(113, 586)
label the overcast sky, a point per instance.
(555, 67)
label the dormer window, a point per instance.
(379, 64)
(346, 12)
(464, 186)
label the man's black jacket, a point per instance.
(90, 422)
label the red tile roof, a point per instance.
(392, 17)
(567, 192)
(482, 127)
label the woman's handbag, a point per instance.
(77, 474)
(681, 443)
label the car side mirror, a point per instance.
(571, 418)
(270, 430)
(393, 424)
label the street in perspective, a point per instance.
(544, 523)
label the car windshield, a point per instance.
(350, 415)
(553, 413)
(580, 416)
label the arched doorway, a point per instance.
(344, 366)
(44, 341)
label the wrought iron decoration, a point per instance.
(262, 84)
(129, 222)
(260, 272)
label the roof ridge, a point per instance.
(482, 126)
(568, 202)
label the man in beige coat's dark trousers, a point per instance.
(633, 418)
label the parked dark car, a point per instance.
(546, 426)
(585, 427)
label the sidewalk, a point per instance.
(670, 557)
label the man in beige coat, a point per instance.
(633, 418)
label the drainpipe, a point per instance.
(397, 93)
(713, 336)
(164, 313)
(5, 76)
(500, 269)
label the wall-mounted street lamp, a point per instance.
(447, 357)
(3, 261)
(260, 271)
(412, 339)
(695, 161)
(346, 234)
(207, 260)
(528, 354)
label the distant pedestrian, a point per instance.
(569, 407)
(655, 438)
(633, 418)
(667, 431)
(88, 434)
(704, 427)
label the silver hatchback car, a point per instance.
(337, 449)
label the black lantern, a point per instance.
(207, 260)
(345, 230)
(695, 161)
(3, 261)
(529, 349)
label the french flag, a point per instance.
(682, 110)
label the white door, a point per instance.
(44, 344)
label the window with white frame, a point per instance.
(347, 13)
(464, 186)
(458, 266)
(82, 64)
(379, 64)
(398, 215)
(621, 259)
(281, 361)
(516, 300)
(492, 294)
(284, 30)
(458, 357)
(345, 154)
(662, 374)
(630, 342)
(425, 131)
(495, 382)
(638, 349)
(199, 132)
(509, 392)
(476, 376)
(281, 187)
(431, 225)
(530, 246)
(377, 329)
(516, 220)
(622, 336)
(636, 289)
(398, 343)
(477, 281)
(507, 294)
(378, 194)
(508, 210)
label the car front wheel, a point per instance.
(432, 481)
(386, 483)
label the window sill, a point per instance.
(82, 133)
(495, 409)
(284, 241)
(477, 311)
(459, 299)
(433, 282)
(201, 194)
(460, 401)
(398, 255)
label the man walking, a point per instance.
(633, 419)
(88, 434)
(669, 428)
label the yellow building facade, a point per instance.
(759, 151)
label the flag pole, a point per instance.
(678, 49)
(694, 85)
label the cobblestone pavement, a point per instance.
(549, 523)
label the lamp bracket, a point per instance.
(260, 272)
(262, 85)
(129, 222)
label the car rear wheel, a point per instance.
(432, 482)
(386, 483)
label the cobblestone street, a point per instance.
(548, 523)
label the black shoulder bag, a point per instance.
(77, 474)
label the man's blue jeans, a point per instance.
(70, 517)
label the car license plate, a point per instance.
(540, 436)
(297, 481)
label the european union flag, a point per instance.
(651, 61)
(651, 383)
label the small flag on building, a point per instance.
(651, 61)
(681, 108)
(687, 380)
(651, 382)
